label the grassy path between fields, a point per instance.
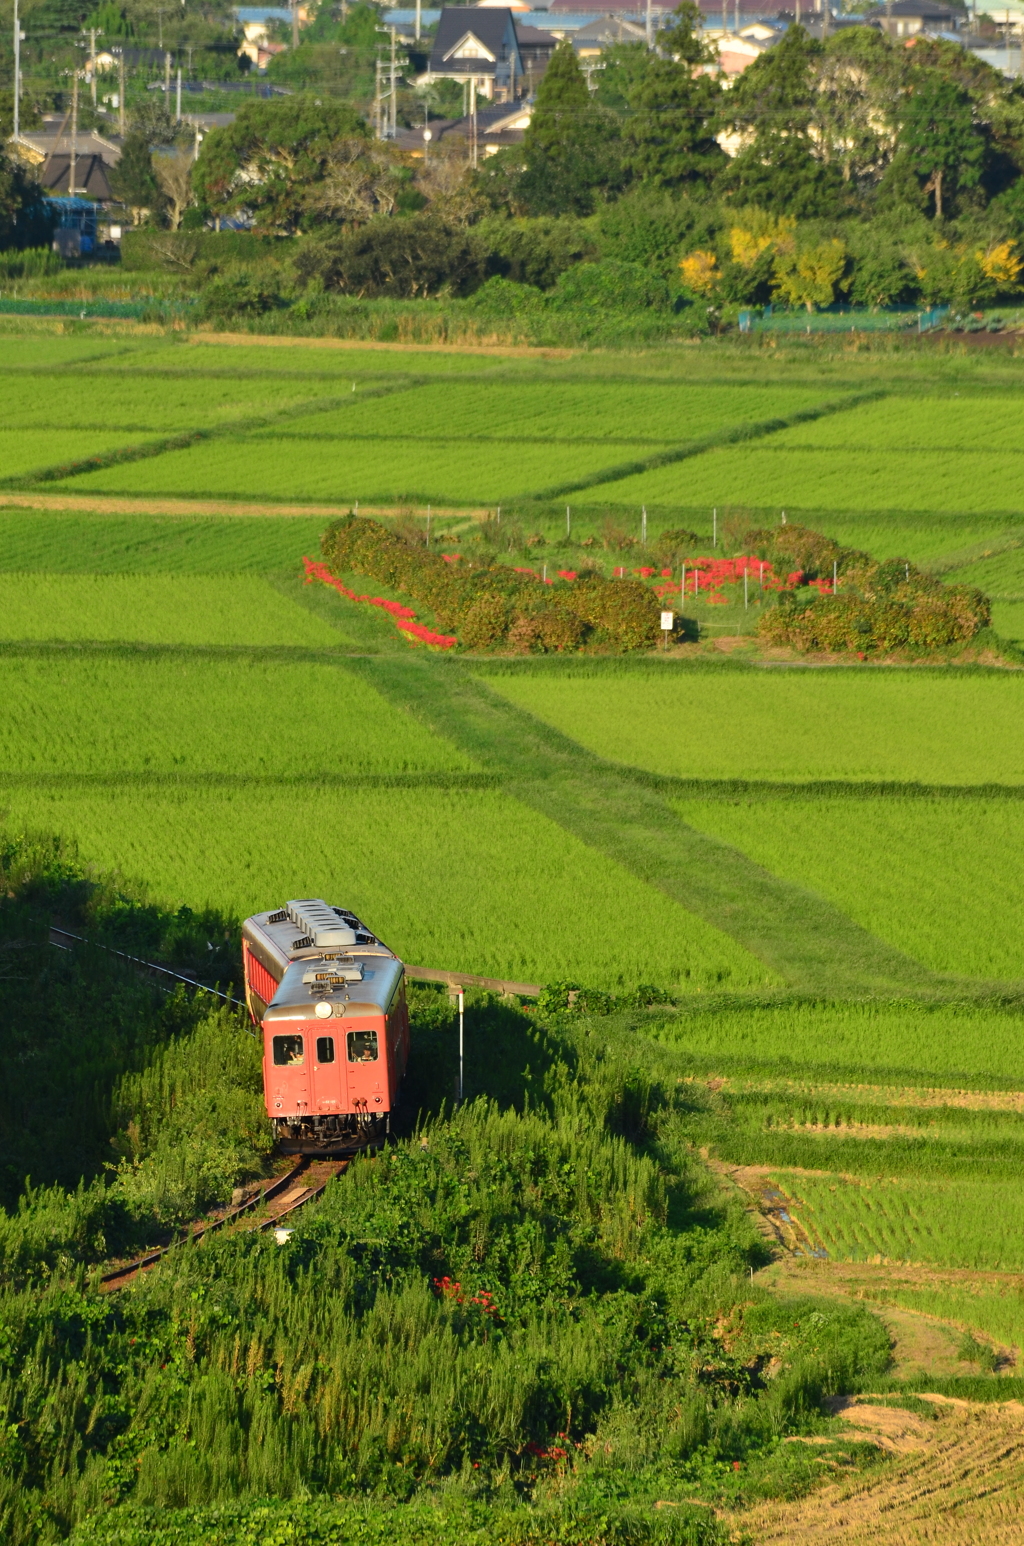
(813, 945)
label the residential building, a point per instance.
(478, 44)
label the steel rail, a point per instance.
(119, 1275)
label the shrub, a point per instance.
(487, 604)
(406, 256)
(614, 285)
(877, 605)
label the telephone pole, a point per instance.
(295, 25)
(17, 74)
(393, 104)
(73, 167)
(94, 33)
(120, 92)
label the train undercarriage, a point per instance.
(322, 1137)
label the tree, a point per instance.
(133, 180)
(855, 113)
(174, 176)
(771, 109)
(23, 218)
(668, 140)
(271, 158)
(808, 277)
(940, 136)
(417, 255)
(570, 147)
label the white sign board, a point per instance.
(667, 621)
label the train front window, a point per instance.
(325, 1049)
(362, 1046)
(287, 1051)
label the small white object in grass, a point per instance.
(668, 621)
(282, 1236)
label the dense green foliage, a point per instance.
(869, 605)
(535, 1298)
(492, 604)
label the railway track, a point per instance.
(263, 1211)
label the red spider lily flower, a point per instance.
(404, 617)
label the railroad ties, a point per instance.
(279, 1199)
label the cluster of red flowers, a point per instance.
(482, 1300)
(552, 1452)
(711, 575)
(404, 618)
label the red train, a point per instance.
(330, 999)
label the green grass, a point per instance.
(624, 413)
(47, 351)
(327, 357)
(267, 467)
(1008, 620)
(939, 879)
(156, 609)
(141, 404)
(59, 542)
(954, 1223)
(464, 880)
(792, 726)
(26, 451)
(912, 1043)
(797, 479)
(1000, 575)
(922, 423)
(189, 716)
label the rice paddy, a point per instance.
(465, 880)
(954, 1223)
(893, 727)
(805, 478)
(165, 716)
(156, 609)
(834, 904)
(941, 882)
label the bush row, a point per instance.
(490, 605)
(877, 605)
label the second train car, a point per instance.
(329, 997)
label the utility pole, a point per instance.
(295, 25)
(17, 74)
(167, 77)
(73, 167)
(177, 104)
(650, 26)
(393, 104)
(94, 33)
(120, 93)
(472, 119)
(376, 103)
(161, 12)
(419, 6)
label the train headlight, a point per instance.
(323, 1010)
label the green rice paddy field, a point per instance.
(821, 866)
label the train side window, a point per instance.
(325, 1049)
(287, 1051)
(362, 1046)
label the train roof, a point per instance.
(305, 930)
(341, 988)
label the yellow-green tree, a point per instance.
(809, 277)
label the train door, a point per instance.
(287, 1071)
(366, 1064)
(328, 1071)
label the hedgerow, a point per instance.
(862, 604)
(490, 605)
